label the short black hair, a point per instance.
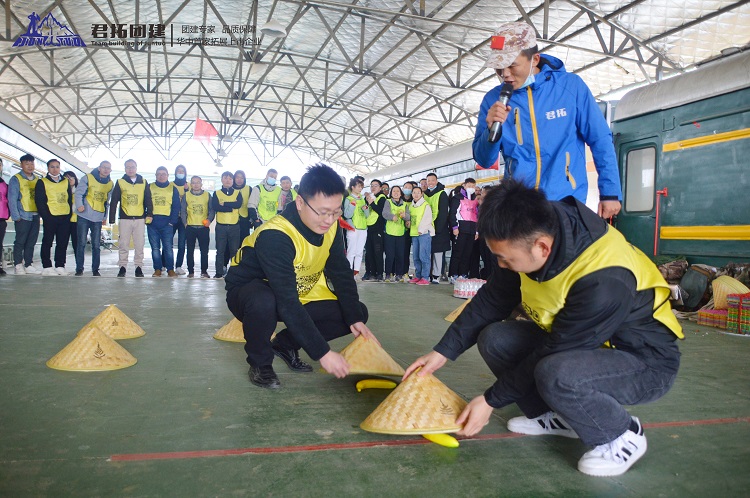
(285, 178)
(515, 212)
(470, 180)
(529, 52)
(321, 179)
(229, 174)
(375, 180)
(27, 157)
(384, 183)
(161, 168)
(53, 160)
(431, 174)
(272, 171)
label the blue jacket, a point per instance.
(550, 154)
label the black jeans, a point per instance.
(26, 234)
(254, 304)
(587, 388)
(374, 252)
(394, 254)
(461, 255)
(55, 228)
(203, 234)
(227, 238)
(179, 229)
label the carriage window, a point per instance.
(640, 169)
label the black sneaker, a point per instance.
(367, 277)
(96, 273)
(292, 360)
(121, 273)
(79, 273)
(219, 275)
(138, 272)
(264, 377)
(2, 272)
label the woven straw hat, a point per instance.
(92, 351)
(723, 286)
(116, 324)
(419, 405)
(368, 357)
(231, 332)
(454, 314)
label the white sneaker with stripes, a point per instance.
(549, 424)
(616, 457)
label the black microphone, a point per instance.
(505, 92)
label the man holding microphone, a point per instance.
(549, 118)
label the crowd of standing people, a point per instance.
(388, 224)
(73, 210)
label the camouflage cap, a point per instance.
(507, 42)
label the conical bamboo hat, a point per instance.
(454, 314)
(419, 405)
(723, 286)
(116, 324)
(368, 357)
(231, 332)
(92, 351)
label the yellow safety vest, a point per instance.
(434, 202)
(132, 197)
(416, 213)
(228, 218)
(395, 228)
(245, 191)
(309, 260)
(269, 202)
(372, 218)
(97, 193)
(161, 199)
(27, 188)
(358, 218)
(197, 208)
(180, 189)
(542, 301)
(57, 196)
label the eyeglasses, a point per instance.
(326, 214)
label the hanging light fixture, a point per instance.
(274, 29)
(236, 118)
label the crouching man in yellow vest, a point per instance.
(281, 273)
(602, 333)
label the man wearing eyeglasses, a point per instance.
(282, 273)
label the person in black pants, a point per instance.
(462, 220)
(280, 274)
(53, 202)
(374, 248)
(197, 214)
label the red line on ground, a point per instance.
(176, 455)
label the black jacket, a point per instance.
(602, 306)
(272, 259)
(40, 197)
(117, 198)
(454, 201)
(441, 241)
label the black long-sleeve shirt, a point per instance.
(272, 259)
(228, 206)
(40, 198)
(117, 197)
(601, 306)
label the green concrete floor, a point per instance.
(185, 421)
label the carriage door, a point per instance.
(637, 220)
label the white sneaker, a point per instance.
(61, 271)
(31, 270)
(49, 272)
(179, 270)
(616, 457)
(20, 269)
(549, 424)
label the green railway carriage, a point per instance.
(683, 146)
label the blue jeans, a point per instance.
(179, 228)
(587, 388)
(27, 233)
(421, 247)
(160, 240)
(84, 227)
